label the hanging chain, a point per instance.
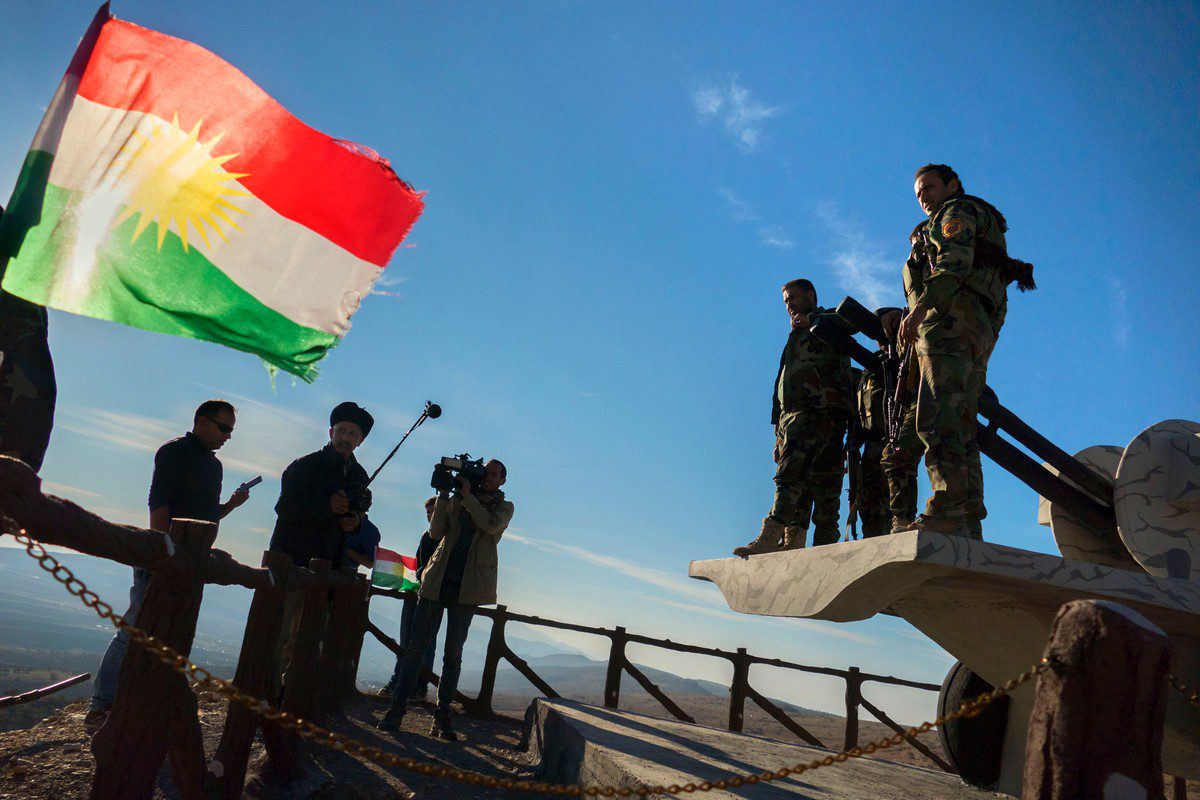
(342, 743)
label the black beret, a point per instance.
(352, 412)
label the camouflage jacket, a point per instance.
(943, 273)
(812, 376)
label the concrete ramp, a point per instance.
(578, 743)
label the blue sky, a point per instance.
(615, 194)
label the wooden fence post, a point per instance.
(616, 665)
(738, 690)
(335, 648)
(482, 706)
(283, 747)
(1097, 723)
(301, 676)
(257, 675)
(155, 713)
(853, 698)
(357, 633)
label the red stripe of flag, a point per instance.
(343, 191)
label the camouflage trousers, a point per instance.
(952, 374)
(871, 498)
(808, 476)
(900, 464)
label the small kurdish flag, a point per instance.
(394, 571)
(166, 191)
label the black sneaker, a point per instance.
(442, 727)
(392, 719)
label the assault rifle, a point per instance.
(1083, 493)
(896, 370)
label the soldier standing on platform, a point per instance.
(810, 408)
(956, 289)
(868, 431)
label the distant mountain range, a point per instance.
(43, 623)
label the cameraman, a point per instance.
(460, 576)
(321, 499)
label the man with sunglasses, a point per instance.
(186, 484)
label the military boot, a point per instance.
(392, 719)
(767, 540)
(953, 527)
(900, 524)
(443, 726)
(794, 537)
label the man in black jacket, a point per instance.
(318, 491)
(321, 500)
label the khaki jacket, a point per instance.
(479, 576)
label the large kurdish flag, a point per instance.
(394, 571)
(166, 191)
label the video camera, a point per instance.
(444, 478)
(358, 494)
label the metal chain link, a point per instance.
(342, 743)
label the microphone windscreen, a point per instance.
(433, 410)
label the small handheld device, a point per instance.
(250, 484)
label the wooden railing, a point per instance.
(740, 689)
(155, 716)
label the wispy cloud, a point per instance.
(731, 104)
(1120, 298)
(862, 268)
(739, 209)
(775, 236)
(63, 490)
(698, 597)
(267, 438)
(119, 429)
(389, 279)
(685, 587)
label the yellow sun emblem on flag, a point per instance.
(174, 177)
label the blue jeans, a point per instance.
(105, 691)
(407, 611)
(426, 619)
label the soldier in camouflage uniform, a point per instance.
(810, 408)
(868, 430)
(957, 303)
(27, 386)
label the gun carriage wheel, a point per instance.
(1156, 496)
(1074, 538)
(973, 745)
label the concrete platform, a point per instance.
(990, 606)
(578, 743)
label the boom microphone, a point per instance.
(432, 411)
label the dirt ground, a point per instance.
(52, 760)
